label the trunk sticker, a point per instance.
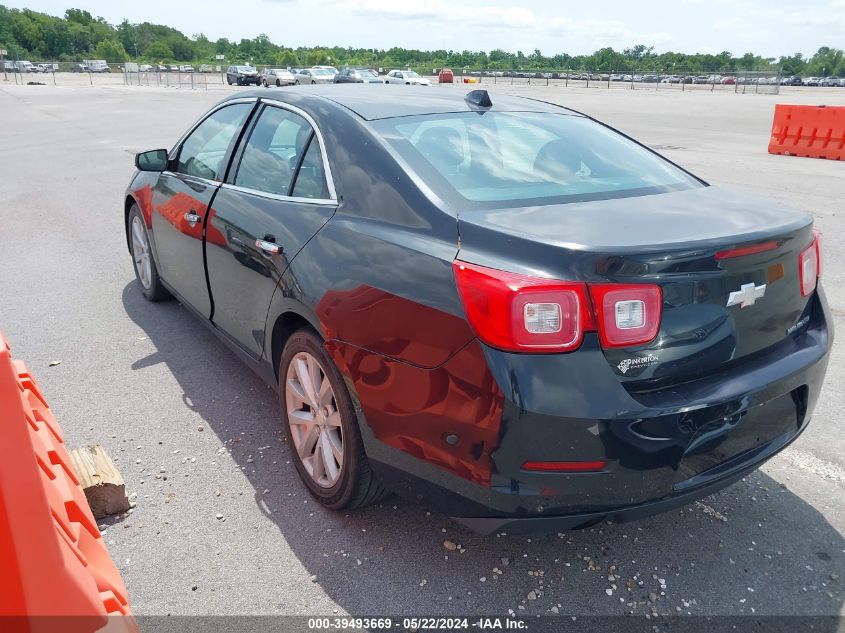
(801, 323)
(639, 362)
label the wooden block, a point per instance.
(101, 481)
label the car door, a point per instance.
(183, 194)
(278, 194)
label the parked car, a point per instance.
(811, 81)
(277, 77)
(331, 69)
(549, 349)
(445, 76)
(9, 67)
(314, 76)
(242, 75)
(79, 68)
(186, 68)
(97, 65)
(829, 82)
(701, 79)
(162, 68)
(408, 77)
(144, 68)
(728, 81)
(794, 80)
(357, 76)
(25, 67)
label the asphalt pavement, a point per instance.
(222, 524)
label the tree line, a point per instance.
(31, 35)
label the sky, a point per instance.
(765, 27)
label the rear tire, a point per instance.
(324, 438)
(143, 261)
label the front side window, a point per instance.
(501, 159)
(203, 153)
(280, 142)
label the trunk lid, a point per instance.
(670, 240)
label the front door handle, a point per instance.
(271, 248)
(192, 218)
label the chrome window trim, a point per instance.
(172, 153)
(279, 197)
(319, 136)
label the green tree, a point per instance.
(111, 51)
(159, 51)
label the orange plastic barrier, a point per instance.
(813, 131)
(55, 571)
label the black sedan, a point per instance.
(497, 306)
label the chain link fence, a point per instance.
(630, 79)
(205, 76)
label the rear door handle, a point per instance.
(192, 218)
(271, 248)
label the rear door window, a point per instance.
(281, 143)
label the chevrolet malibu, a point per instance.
(497, 306)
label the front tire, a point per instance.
(322, 428)
(142, 257)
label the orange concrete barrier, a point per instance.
(812, 131)
(55, 571)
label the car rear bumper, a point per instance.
(663, 448)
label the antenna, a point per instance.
(479, 98)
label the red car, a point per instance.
(446, 76)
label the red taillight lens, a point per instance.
(628, 314)
(521, 313)
(818, 236)
(809, 267)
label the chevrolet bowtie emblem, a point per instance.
(747, 295)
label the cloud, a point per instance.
(603, 32)
(440, 11)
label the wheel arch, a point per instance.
(127, 207)
(285, 324)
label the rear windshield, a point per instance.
(501, 159)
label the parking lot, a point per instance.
(222, 524)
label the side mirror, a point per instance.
(154, 160)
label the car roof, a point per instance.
(371, 103)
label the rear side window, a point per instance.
(282, 144)
(498, 159)
(311, 179)
(203, 153)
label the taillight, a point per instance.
(628, 314)
(521, 313)
(818, 235)
(809, 265)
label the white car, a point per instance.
(331, 69)
(277, 77)
(314, 76)
(405, 77)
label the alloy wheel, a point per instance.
(314, 420)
